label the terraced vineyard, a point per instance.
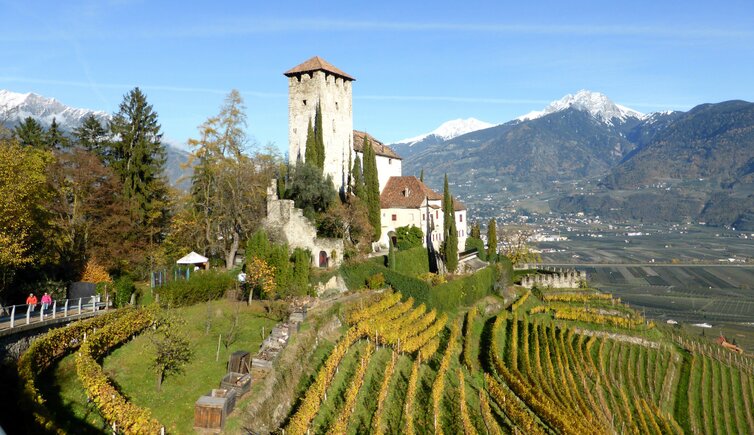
(575, 362)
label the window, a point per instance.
(460, 218)
(395, 217)
(424, 217)
(437, 214)
(389, 161)
(304, 102)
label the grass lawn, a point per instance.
(130, 365)
(67, 401)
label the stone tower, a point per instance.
(317, 81)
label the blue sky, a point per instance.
(416, 64)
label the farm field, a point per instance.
(699, 290)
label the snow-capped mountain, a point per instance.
(449, 130)
(15, 107)
(595, 103)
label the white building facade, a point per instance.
(406, 201)
(389, 163)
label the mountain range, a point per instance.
(665, 166)
(15, 107)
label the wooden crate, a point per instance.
(240, 382)
(239, 362)
(211, 410)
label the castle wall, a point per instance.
(335, 99)
(287, 224)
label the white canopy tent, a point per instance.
(193, 258)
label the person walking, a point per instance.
(31, 300)
(46, 301)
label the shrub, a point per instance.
(123, 288)
(478, 244)
(408, 237)
(412, 262)
(376, 281)
(203, 286)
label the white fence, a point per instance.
(25, 314)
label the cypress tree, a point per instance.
(421, 175)
(492, 240)
(319, 137)
(30, 133)
(391, 255)
(451, 243)
(357, 179)
(138, 157)
(447, 211)
(372, 188)
(310, 154)
(476, 232)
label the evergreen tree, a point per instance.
(55, 137)
(476, 231)
(30, 133)
(447, 210)
(421, 175)
(357, 178)
(138, 157)
(451, 243)
(372, 188)
(310, 154)
(91, 135)
(319, 137)
(391, 255)
(492, 240)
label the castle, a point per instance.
(404, 200)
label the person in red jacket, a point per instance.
(31, 300)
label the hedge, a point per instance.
(41, 355)
(116, 409)
(444, 297)
(201, 287)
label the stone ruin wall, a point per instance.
(287, 224)
(555, 278)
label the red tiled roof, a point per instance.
(406, 192)
(317, 64)
(379, 148)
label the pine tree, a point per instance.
(372, 188)
(492, 240)
(30, 133)
(138, 157)
(91, 135)
(319, 137)
(357, 179)
(451, 243)
(55, 137)
(310, 154)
